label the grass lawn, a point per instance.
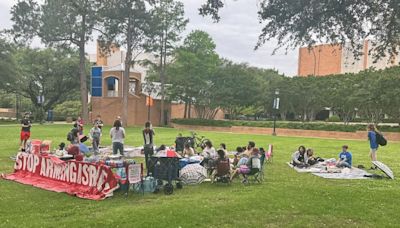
(285, 198)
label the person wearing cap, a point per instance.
(345, 158)
(25, 131)
(249, 149)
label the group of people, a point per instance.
(241, 164)
(305, 157)
(247, 160)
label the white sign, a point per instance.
(134, 173)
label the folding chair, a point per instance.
(255, 172)
(222, 172)
(269, 154)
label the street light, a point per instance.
(275, 108)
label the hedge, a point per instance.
(288, 125)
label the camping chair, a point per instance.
(223, 172)
(255, 172)
(269, 154)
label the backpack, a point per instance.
(380, 139)
(70, 136)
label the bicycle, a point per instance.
(199, 142)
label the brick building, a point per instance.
(326, 59)
(106, 91)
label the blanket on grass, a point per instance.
(345, 173)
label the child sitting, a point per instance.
(345, 158)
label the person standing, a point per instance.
(148, 136)
(79, 124)
(25, 131)
(117, 134)
(99, 122)
(373, 144)
(95, 134)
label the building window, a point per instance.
(112, 87)
(132, 86)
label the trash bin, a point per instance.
(50, 115)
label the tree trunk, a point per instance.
(125, 78)
(185, 111)
(83, 84)
(162, 77)
(125, 89)
(190, 110)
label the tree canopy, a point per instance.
(305, 23)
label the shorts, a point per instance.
(243, 169)
(25, 135)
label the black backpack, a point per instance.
(70, 136)
(380, 139)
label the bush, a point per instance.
(67, 109)
(333, 118)
(288, 125)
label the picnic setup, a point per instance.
(304, 161)
(95, 172)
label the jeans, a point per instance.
(95, 145)
(117, 146)
(148, 152)
(343, 164)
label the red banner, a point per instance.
(85, 180)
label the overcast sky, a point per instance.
(235, 35)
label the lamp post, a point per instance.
(275, 108)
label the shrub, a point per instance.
(67, 109)
(333, 118)
(288, 125)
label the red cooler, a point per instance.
(35, 146)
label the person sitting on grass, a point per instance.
(248, 167)
(345, 158)
(299, 158)
(221, 159)
(209, 152)
(188, 151)
(310, 156)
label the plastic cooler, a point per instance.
(35, 146)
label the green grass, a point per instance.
(285, 198)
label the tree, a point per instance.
(235, 88)
(58, 23)
(167, 24)
(304, 23)
(192, 71)
(47, 77)
(127, 23)
(8, 65)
